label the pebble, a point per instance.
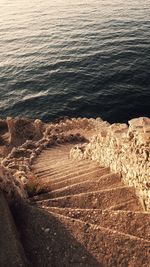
(46, 230)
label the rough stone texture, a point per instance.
(15, 169)
(3, 130)
(126, 150)
(3, 125)
(10, 185)
(21, 129)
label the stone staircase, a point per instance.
(86, 217)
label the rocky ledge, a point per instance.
(125, 148)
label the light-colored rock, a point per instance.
(21, 130)
(10, 185)
(125, 150)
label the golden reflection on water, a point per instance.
(58, 51)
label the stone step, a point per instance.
(48, 162)
(11, 250)
(101, 199)
(46, 157)
(128, 222)
(67, 162)
(55, 151)
(66, 169)
(65, 181)
(104, 182)
(59, 147)
(63, 158)
(55, 176)
(129, 205)
(62, 241)
(112, 242)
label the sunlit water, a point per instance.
(75, 58)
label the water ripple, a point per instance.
(75, 58)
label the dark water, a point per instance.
(75, 58)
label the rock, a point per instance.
(21, 130)
(126, 150)
(11, 185)
(47, 230)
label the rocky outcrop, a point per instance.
(3, 130)
(82, 208)
(126, 150)
(11, 185)
(21, 129)
(83, 213)
(28, 139)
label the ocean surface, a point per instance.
(87, 58)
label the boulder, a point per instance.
(21, 129)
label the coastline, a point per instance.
(124, 149)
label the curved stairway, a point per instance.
(86, 217)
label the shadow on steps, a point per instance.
(47, 242)
(11, 250)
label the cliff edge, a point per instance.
(79, 191)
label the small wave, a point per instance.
(61, 58)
